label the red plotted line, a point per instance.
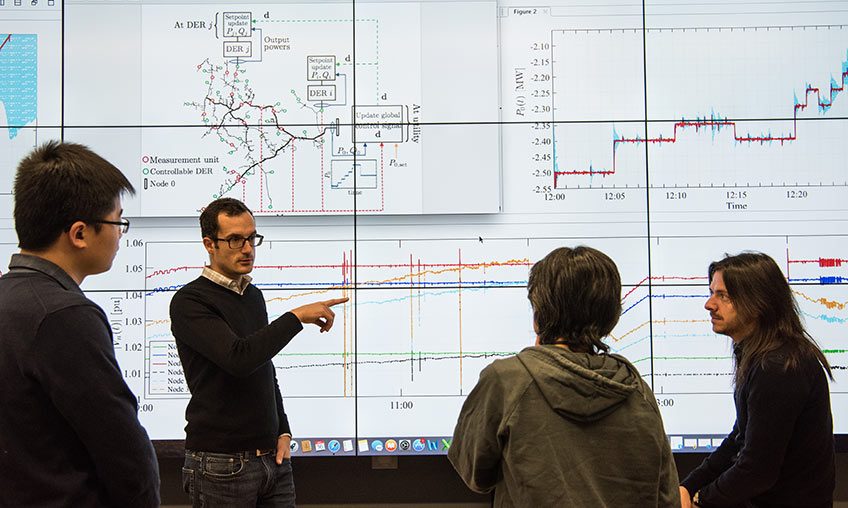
(829, 262)
(5, 41)
(172, 270)
(659, 278)
(716, 124)
(822, 262)
(514, 262)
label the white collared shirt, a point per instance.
(223, 280)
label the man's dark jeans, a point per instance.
(238, 480)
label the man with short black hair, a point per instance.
(238, 435)
(69, 430)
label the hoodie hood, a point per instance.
(580, 386)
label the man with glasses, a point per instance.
(237, 435)
(69, 430)
(124, 223)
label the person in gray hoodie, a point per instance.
(565, 422)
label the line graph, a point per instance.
(18, 106)
(760, 110)
(437, 305)
(427, 314)
(18, 81)
(817, 281)
(436, 297)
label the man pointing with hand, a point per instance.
(238, 435)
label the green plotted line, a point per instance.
(363, 359)
(683, 358)
(407, 353)
(834, 351)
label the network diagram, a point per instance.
(282, 113)
(293, 137)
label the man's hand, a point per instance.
(283, 448)
(685, 498)
(318, 313)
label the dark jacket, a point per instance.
(550, 427)
(780, 451)
(69, 432)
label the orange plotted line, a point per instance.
(476, 266)
(345, 287)
(316, 292)
(413, 275)
(830, 304)
(659, 322)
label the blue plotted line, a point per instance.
(164, 289)
(662, 336)
(616, 350)
(826, 318)
(407, 298)
(834, 279)
(424, 296)
(635, 304)
(663, 297)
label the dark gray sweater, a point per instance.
(550, 427)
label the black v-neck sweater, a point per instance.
(226, 345)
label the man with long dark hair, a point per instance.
(565, 423)
(780, 451)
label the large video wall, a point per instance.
(419, 157)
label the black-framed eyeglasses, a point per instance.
(124, 223)
(238, 242)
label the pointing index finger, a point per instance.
(336, 301)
